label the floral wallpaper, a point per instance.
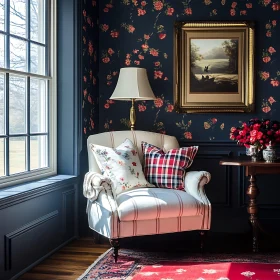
(90, 67)
(140, 33)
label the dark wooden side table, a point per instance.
(252, 169)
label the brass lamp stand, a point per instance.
(132, 115)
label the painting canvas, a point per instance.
(214, 65)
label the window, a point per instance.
(27, 90)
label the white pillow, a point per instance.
(121, 165)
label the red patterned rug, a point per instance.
(136, 265)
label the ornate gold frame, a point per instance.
(187, 102)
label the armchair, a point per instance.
(147, 211)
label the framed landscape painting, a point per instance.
(214, 67)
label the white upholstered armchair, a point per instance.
(147, 211)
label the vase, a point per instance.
(253, 152)
(269, 154)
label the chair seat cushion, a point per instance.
(155, 203)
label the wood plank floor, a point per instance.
(69, 262)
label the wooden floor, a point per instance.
(69, 262)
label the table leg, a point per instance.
(252, 209)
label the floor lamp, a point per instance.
(133, 85)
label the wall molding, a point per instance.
(65, 196)
(8, 238)
(219, 155)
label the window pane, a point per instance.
(2, 160)
(17, 105)
(38, 106)
(37, 20)
(2, 105)
(17, 153)
(37, 59)
(18, 17)
(18, 54)
(38, 152)
(2, 15)
(2, 50)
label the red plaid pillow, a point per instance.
(166, 170)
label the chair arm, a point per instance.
(194, 185)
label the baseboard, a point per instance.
(42, 258)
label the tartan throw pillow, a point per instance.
(122, 165)
(167, 170)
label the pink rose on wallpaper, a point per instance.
(271, 100)
(265, 75)
(141, 57)
(170, 11)
(232, 12)
(84, 13)
(128, 55)
(91, 123)
(114, 34)
(275, 7)
(85, 79)
(266, 2)
(141, 12)
(109, 5)
(157, 63)
(233, 5)
(188, 135)
(90, 48)
(249, 5)
(143, 3)
(127, 62)
(136, 62)
(268, 33)
(131, 28)
(85, 130)
(85, 92)
(154, 52)
(266, 59)
(169, 108)
(145, 46)
(271, 50)
(268, 26)
(158, 5)
(188, 11)
(243, 12)
(110, 51)
(106, 106)
(266, 109)
(105, 10)
(135, 51)
(158, 74)
(214, 120)
(89, 99)
(162, 36)
(141, 108)
(93, 2)
(104, 27)
(158, 102)
(275, 83)
(146, 36)
(105, 59)
(274, 22)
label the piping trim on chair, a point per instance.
(181, 208)
(158, 211)
(135, 211)
(135, 140)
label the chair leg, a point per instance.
(116, 245)
(203, 234)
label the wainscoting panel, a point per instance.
(32, 228)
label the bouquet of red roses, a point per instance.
(256, 132)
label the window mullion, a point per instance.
(28, 37)
(7, 25)
(7, 142)
(28, 152)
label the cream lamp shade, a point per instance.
(133, 84)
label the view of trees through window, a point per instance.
(23, 86)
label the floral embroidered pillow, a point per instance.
(121, 165)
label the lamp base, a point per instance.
(132, 115)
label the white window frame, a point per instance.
(51, 170)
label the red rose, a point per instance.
(162, 36)
(158, 5)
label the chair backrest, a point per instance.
(115, 138)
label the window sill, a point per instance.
(15, 194)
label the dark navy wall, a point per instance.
(140, 33)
